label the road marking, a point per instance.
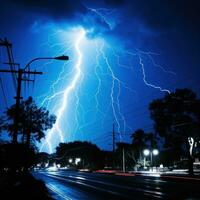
(55, 190)
(146, 192)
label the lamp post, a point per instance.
(152, 153)
(20, 73)
(63, 58)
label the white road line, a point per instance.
(147, 192)
(55, 190)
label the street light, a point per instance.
(155, 152)
(63, 58)
(19, 81)
(152, 153)
(146, 152)
(77, 160)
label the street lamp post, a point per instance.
(20, 73)
(152, 153)
(63, 58)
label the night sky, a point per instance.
(123, 54)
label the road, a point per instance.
(73, 185)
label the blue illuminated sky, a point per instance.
(123, 54)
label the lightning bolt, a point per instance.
(146, 82)
(139, 54)
(103, 68)
(115, 81)
(66, 92)
(101, 13)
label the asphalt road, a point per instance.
(72, 185)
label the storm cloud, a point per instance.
(58, 9)
(167, 15)
(136, 23)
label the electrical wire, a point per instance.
(3, 92)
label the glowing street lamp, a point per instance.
(77, 160)
(155, 152)
(146, 152)
(152, 153)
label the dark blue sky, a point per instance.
(121, 40)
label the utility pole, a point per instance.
(124, 167)
(4, 42)
(113, 137)
(19, 73)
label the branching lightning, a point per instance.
(103, 70)
(115, 81)
(66, 93)
(144, 76)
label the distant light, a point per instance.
(77, 160)
(58, 165)
(146, 152)
(52, 169)
(155, 174)
(155, 152)
(70, 160)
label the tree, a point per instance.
(16, 157)
(151, 140)
(177, 120)
(138, 143)
(33, 121)
(90, 154)
(42, 159)
(125, 156)
(142, 140)
(1, 124)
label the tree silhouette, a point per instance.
(90, 154)
(16, 157)
(129, 155)
(42, 159)
(33, 121)
(177, 119)
(138, 143)
(152, 140)
(142, 140)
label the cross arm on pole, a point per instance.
(16, 71)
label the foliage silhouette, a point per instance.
(90, 154)
(177, 120)
(33, 121)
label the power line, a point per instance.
(3, 92)
(13, 67)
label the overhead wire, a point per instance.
(3, 92)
